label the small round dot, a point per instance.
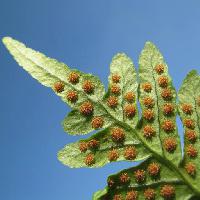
(129, 97)
(148, 114)
(191, 151)
(159, 68)
(115, 89)
(116, 78)
(167, 192)
(148, 132)
(147, 87)
(117, 197)
(168, 126)
(118, 134)
(191, 136)
(93, 143)
(86, 108)
(129, 110)
(124, 178)
(149, 194)
(59, 87)
(73, 78)
(189, 123)
(112, 101)
(140, 175)
(130, 153)
(89, 159)
(153, 169)
(72, 96)
(131, 195)
(88, 87)
(187, 109)
(83, 146)
(168, 109)
(113, 155)
(97, 122)
(190, 169)
(163, 81)
(166, 94)
(148, 102)
(170, 144)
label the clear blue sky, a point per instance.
(83, 34)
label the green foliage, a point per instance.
(120, 134)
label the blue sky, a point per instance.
(83, 34)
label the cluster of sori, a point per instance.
(129, 97)
(139, 176)
(191, 137)
(117, 135)
(164, 94)
(86, 108)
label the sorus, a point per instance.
(170, 144)
(190, 168)
(148, 132)
(189, 123)
(148, 102)
(159, 68)
(129, 110)
(88, 87)
(130, 153)
(73, 78)
(167, 192)
(115, 89)
(83, 146)
(59, 87)
(153, 169)
(140, 175)
(168, 109)
(112, 101)
(187, 109)
(118, 134)
(168, 126)
(148, 114)
(110, 182)
(191, 151)
(191, 135)
(116, 78)
(166, 94)
(86, 108)
(131, 195)
(113, 155)
(72, 96)
(89, 159)
(117, 197)
(129, 96)
(149, 194)
(147, 87)
(93, 143)
(124, 178)
(97, 122)
(163, 81)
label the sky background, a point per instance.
(83, 34)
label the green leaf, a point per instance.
(102, 147)
(157, 97)
(189, 109)
(127, 180)
(123, 86)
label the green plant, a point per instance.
(165, 172)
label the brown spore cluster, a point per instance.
(86, 108)
(73, 78)
(97, 122)
(139, 175)
(112, 101)
(118, 134)
(130, 153)
(148, 132)
(149, 194)
(129, 110)
(88, 86)
(113, 155)
(72, 96)
(59, 87)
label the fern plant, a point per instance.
(122, 134)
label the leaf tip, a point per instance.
(6, 39)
